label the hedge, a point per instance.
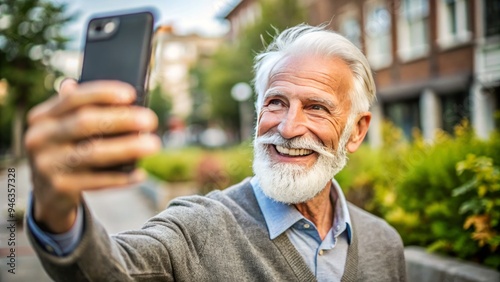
(210, 169)
(443, 195)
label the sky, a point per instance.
(186, 16)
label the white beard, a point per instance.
(294, 183)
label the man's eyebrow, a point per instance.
(278, 93)
(273, 92)
(326, 102)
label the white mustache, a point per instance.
(294, 143)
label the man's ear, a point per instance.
(359, 131)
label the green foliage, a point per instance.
(161, 104)
(173, 165)
(222, 168)
(441, 195)
(27, 42)
(228, 69)
(237, 162)
(28, 36)
(482, 204)
(233, 62)
(211, 169)
(6, 114)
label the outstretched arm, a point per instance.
(70, 137)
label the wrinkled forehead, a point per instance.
(329, 74)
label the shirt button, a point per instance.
(49, 249)
(337, 228)
(307, 225)
(320, 252)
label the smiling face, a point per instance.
(301, 140)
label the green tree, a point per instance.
(232, 63)
(29, 34)
(161, 104)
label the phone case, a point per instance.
(118, 47)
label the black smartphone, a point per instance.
(118, 47)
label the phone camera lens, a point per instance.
(109, 27)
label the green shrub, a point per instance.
(173, 165)
(482, 204)
(238, 162)
(222, 168)
(425, 191)
(210, 169)
(416, 187)
(371, 175)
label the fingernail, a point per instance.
(149, 141)
(143, 120)
(129, 93)
(125, 96)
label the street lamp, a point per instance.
(241, 92)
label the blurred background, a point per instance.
(430, 164)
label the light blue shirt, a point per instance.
(56, 244)
(325, 258)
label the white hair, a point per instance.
(306, 39)
(294, 183)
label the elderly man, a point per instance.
(290, 222)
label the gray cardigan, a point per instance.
(219, 237)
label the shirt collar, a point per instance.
(341, 211)
(279, 216)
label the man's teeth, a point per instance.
(293, 152)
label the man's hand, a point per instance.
(88, 126)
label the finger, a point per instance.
(68, 85)
(97, 153)
(88, 93)
(91, 122)
(119, 150)
(40, 110)
(89, 180)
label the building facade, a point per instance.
(435, 62)
(173, 57)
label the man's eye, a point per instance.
(275, 104)
(318, 108)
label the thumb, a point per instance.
(67, 86)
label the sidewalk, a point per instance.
(117, 210)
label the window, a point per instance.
(405, 115)
(456, 107)
(351, 30)
(492, 21)
(453, 22)
(413, 29)
(378, 34)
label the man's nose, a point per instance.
(294, 123)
